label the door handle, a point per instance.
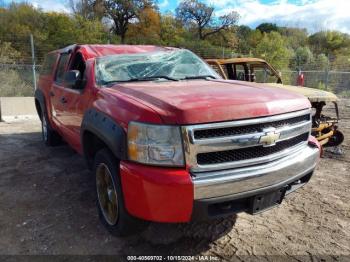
(51, 93)
(63, 100)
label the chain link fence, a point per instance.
(17, 77)
(17, 80)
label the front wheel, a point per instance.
(110, 202)
(49, 136)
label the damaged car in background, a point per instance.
(324, 127)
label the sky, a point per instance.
(314, 15)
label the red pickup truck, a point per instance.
(168, 139)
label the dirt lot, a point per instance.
(47, 206)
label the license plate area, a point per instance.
(263, 202)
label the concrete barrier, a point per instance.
(17, 108)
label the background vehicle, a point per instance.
(324, 128)
(168, 140)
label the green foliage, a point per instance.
(303, 55)
(8, 54)
(171, 31)
(328, 42)
(322, 86)
(267, 27)
(272, 48)
(322, 62)
(13, 84)
(296, 37)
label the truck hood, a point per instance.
(314, 95)
(205, 101)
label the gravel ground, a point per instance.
(47, 207)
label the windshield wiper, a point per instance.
(199, 77)
(147, 78)
(153, 77)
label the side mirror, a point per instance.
(72, 79)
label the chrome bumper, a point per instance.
(247, 179)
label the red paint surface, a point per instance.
(156, 193)
(203, 101)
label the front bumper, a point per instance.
(174, 195)
(242, 181)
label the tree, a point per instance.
(267, 28)
(18, 22)
(328, 42)
(201, 16)
(171, 30)
(322, 62)
(242, 33)
(303, 56)
(146, 29)
(272, 48)
(82, 8)
(87, 9)
(8, 54)
(295, 37)
(122, 12)
(89, 31)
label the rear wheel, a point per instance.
(110, 202)
(50, 137)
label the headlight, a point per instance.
(155, 144)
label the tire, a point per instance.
(49, 136)
(335, 140)
(109, 197)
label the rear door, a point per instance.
(57, 94)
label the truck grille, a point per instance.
(248, 142)
(230, 131)
(249, 152)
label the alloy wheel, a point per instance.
(106, 193)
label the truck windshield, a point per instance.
(171, 65)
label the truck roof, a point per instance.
(92, 51)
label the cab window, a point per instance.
(240, 72)
(49, 64)
(78, 63)
(261, 73)
(61, 67)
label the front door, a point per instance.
(74, 101)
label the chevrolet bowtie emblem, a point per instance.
(270, 138)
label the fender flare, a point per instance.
(107, 130)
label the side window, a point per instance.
(263, 74)
(78, 63)
(49, 64)
(61, 68)
(240, 72)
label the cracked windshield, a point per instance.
(168, 65)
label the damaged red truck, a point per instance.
(168, 139)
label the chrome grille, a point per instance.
(230, 131)
(249, 152)
(248, 142)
